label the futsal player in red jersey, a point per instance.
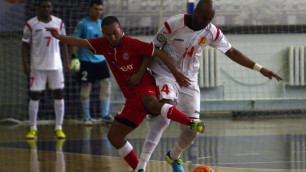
(124, 56)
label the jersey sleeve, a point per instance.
(166, 30)
(142, 48)
(96, 46)
(160, 38)
(62, 29)
(219, 40)
(27, 32)
(78, 30)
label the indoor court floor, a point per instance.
(245, 145)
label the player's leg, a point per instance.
(84, 77)
(102, 74)
(152, 140)
(168, 93)
(85, 101)
(37, 84)
(116, 135)
(129, 117)
(189, 102)
(56, 83)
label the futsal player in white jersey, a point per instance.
(45, 64)
(183, 37)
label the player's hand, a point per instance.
(135, 79)
(181, 79)
(267, 73)
(54, 32)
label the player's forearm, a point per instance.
(73, 50)
(144, 65)
(166, 59)
(240, 58)
(65, 53)
(74, 41)
(24, 51)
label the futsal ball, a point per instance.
(75, 65)
(203, 168)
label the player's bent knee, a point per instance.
(34, 95)
(151, 104)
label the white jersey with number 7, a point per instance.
(184, 46)
(45, 50)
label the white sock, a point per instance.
(152, 140)
(33, 110)
(125, 149)
(59, 108)
(185, 140)
(164, 110)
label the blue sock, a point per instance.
(105, 107)
(86, 109)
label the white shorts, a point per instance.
(39, 79)
(187, 99)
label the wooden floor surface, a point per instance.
(252, 145)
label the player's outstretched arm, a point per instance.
(181, 79)
(243, 60)
(71, 40)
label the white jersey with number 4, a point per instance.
(45, 51)
(184, 46)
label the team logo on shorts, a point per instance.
(202, 41)
(125, 56)
(161, 38)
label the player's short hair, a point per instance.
(93, 2)
(109, 20)
(41, 1)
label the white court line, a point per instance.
(275, 162)
(242, 154)
(205, 157)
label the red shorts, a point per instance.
(133, 112)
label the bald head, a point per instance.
(203, 14)
(204, 5)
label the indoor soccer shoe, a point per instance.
(197, 126)
(177, 165)
(60, 134)
(88, 121)
(107, 119)
(32, 134)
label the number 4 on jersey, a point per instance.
(190, 53)
(165, 89)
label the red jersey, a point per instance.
(124, 60)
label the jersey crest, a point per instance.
(202, 41)
(125, 56)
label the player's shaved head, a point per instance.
(43, 1)
(203, 14)
(110, 20)
(203, 3)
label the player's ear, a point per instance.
(121, 28)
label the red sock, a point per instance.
(178, 116)
(132, 159)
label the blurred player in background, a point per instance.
(183, 37)
(93, 67)
(124, 56)
(45, 64)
